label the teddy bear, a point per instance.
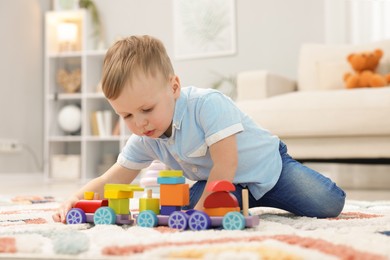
(364, 65)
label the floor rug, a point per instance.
(362, 231)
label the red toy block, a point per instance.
(221, 199)
(174, 194)
(221, 185)
(90, 206)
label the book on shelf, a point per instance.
(94, 124)
(101, 123)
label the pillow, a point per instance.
(384, 65)
(331, 74)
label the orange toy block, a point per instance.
(220, 199)
(174, 194)
(219, 212)
(221, 185)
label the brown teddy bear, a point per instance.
(364, 64)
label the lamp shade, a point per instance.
(67, 32)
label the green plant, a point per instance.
(91, 7)
(226, 84)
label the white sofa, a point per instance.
(316, 116)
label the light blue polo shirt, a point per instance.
(203, 117)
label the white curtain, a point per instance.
(357, 21)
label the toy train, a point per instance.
(221, 208)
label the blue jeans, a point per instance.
(299, 190)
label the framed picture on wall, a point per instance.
(204, 28)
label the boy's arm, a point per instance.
(225, 160)
(116, 174)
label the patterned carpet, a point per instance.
(362, 231)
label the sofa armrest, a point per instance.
(260, 84)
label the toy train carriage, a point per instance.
(114, 209)
(197, 220)
(221, 208)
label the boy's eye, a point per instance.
(127, 116)
(147, 110)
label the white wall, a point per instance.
(269, 34)
(21, 81)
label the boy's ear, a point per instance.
(176, 86)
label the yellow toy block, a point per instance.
(120, 206)
(170, 173)
(219, 212)
(174, 194)
(149, 203)
(113, 194)
(120, 191)
(88, 195)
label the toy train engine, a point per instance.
(221, 207)
(114, 209)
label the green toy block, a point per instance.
(120, 206)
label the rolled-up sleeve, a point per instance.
(219, 118)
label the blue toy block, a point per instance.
(168, 210)
(171, 180)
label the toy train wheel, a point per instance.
(233, 221)
(147, 218)
(199, 220)
(178, 220)
(104, 215)
(76, 216)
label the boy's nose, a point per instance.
(141, 122)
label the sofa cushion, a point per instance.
(331, 73)
(322, 66)
(343, 112)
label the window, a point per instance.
(357, 21)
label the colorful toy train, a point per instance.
(221, 208)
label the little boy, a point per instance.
(201, 132)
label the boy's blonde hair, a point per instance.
(132, 55)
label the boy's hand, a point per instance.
(60, 214)
(198, 206)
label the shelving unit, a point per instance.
(75, 155)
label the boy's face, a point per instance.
(147, 105)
